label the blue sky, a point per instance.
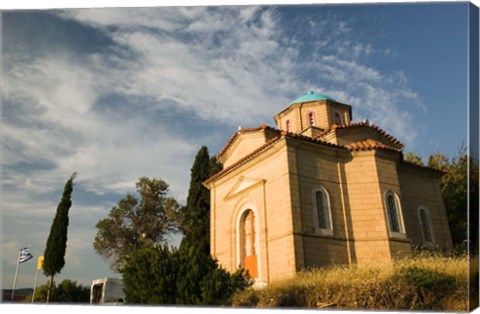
(115, 94)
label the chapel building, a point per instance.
(319, 190)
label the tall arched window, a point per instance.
(287, 125)
(426, 226)
(247, 243)
(311, 120)
(394, 217)
(338, 118)
(322, 211)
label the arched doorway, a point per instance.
(247, 243)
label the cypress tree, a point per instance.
(54, 256)
(196, 223)
(215, 166)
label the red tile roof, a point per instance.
(363, 124)
(369, 145)
(387, 135)
(310, 139)
(357, 146)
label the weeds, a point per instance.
(426, 282)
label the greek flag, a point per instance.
(25, 255)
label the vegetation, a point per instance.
(54, 255)
(66, 292)
(421, 283)
(159, 275)
(196, 216)
(411, 157)
(137, 221)
(154, 273)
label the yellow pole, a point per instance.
(39, 266)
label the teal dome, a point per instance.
(311, 96)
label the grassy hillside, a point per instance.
(426, 282)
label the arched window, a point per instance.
(287, 125)
(426, 226)
(321, 211)
(338, 118)
(394, 217)
(311, 120)
(247, 243)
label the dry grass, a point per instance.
(423, 283)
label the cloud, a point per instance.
(166, 81)
(67, 130)
(220, 66)
(240, 65)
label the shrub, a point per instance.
(150, 275)
(66, 292)
(159, 275)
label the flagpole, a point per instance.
(16, 275)
(35, 285)
(39, 266)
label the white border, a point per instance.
(398, 205)
(239, 214)
(322, 231)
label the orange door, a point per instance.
(249, 253)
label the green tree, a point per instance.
(412, 158)
(215, 166)
(439, 161)
(134, 222)
(196, 217)
(67, 292)
(159, 275)
(457, 190)
(54, 255)
(201, 281)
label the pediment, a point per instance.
(243, 184)
(360, 132)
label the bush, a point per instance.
(67, 292)
(150, 275)
(426, 283)
(159, 275)
(425, 278)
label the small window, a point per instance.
(287, 125)
(322, 212)
(394, 218)
(338, 118)
(426, 227)
(311, 118)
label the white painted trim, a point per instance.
(239, 215)
(340, 115)
(399, 211)
(329, 230)
(315, 123)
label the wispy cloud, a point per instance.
(133, 107)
